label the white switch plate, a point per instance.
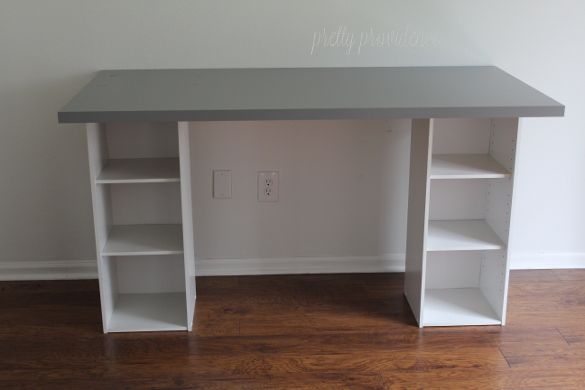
(222, 184)
(268, 186)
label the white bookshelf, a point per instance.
(145, 257)
(459, 217)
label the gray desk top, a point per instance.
(305, 93)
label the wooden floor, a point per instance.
(295, 332)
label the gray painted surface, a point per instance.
(305, 93)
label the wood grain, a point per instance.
(295, 332)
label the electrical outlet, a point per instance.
(268, 186)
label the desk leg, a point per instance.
(457, 257)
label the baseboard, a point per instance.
(394, 262)
(548, 260)
(87, 269)
(300, 265)
(48, 270)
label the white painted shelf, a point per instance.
(466, 166)
(140, 170)
(457, 307)
(461, 235)
(148, 312)
(139, 240)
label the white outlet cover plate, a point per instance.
(268, 186)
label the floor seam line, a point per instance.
(504, 356)
(563, 336)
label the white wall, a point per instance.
(49, 50)
(343, 193)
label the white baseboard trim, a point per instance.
(300, 265)
(48, 270)
(548, 260)
(87, 269)
(392, 262)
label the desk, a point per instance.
(460, 193)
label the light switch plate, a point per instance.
(222, 184)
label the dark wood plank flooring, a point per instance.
(295, 332)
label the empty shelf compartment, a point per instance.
(466, 166)
(140, 170)
(457, 307)
(140, 240)
(460, 235)
(149, 312)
